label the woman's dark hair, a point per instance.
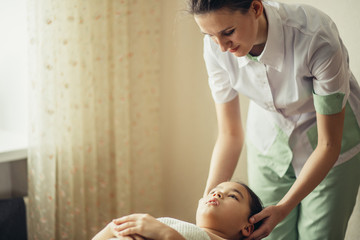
(196, 7)
(254, 202)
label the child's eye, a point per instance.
(233, 196)
(229, 33)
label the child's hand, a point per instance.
(133, 237)
(145, 226)
(112, 226)
(136, 225)
(110, 232)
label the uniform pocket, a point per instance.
(278, 157)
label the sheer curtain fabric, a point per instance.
(94, 114)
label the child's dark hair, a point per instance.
(254, 202)
(196, 7)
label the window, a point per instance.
(13, 80)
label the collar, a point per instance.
(273, 53)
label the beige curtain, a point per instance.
(94, 76)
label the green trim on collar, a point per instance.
(251, 57)
(329, 104)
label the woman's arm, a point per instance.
(318, 165)
(228, 145)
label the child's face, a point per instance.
(225, 209)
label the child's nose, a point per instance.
(217, 194)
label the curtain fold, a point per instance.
(94, 114)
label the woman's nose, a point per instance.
(224, 44)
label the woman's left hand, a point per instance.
(270, 217)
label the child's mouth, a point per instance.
(213, 202)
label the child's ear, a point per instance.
(247, 230)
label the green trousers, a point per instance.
(323, 214)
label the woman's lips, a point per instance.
(213, 202)
(234, 49)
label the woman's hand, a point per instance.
(270, 217)
(145, 226)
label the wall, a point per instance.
(188, 121)
(188, 126)
(13, 179)
(5, 180)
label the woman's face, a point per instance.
(233, 31)
(225, 209)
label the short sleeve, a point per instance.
(219, 80)
(329, 104)
(330, 66)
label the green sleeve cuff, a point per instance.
(329, 104)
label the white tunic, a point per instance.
(188, 230)
(303, 69)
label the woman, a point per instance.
(303, 129)
(222, 214)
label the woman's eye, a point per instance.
(233, 196)
(229, 33)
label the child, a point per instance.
(222, 214)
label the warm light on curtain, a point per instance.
(93, 146)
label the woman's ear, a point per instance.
(247, 230)
(257, 7)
